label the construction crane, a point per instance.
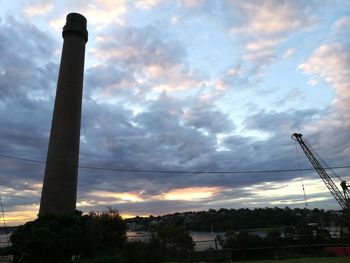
(342, 198)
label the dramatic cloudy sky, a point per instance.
(184, 85)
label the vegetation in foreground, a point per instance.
(95, 237)
(101, 237)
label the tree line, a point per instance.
(223, 220)
(93, 237)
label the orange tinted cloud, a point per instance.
(122, 197)
(191, 193)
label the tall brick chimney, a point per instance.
(59, 193)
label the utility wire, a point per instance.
(173, 171)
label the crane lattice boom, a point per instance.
(342, 198)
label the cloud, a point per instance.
(38, 9)
(263, 29)
(99, 13)
(24, 213)
(289, 52)
(27, 81)
(264, 21)
(138, 45)
(290, 97)
(27, 86)
(119, 197)
(273, 122)
(190, 194)
(192, 3)
(147, 4)
(208, 118)
(103, 12)
(330, 63)
(342, 24)
(148, 106)
(146, 60)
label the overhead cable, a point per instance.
(173, 171)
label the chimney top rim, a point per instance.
(76, 23)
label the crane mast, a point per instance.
(342, 198)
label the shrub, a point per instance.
(56, 237)
(50, 238)
(175, 240)
(106, 229)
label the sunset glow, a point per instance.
(191, 194)
(187, 105)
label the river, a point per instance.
(202, 240)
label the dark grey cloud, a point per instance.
(27, 78)
(27, 87)
(209, 118)
(139, 47)
(159, 139)
(125, 124)
(277, 122)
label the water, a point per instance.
(202, 240)
(138, 235)
(206, 240)
(4, 240)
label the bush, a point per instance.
(105, 229)
(56, 237)
(143, 252)
(49, 238)
(175, 240)
(132, 252)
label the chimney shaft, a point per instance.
(59, 191)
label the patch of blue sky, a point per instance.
(209, 46)
(11, 8)
(290, 89)
(159, 15)
(212, 52)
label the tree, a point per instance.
(106, 229)
(56, 237)
(175, 240)
(50, 238)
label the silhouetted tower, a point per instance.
(59, 191)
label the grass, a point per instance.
(297, 260)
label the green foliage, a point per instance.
(241, 240)
(56, 237)
(232, 219)
(49, 238)
(106, 229)
(175, 240)
(132, 252)
(295, 241)
(143, 252)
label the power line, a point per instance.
(173, 171)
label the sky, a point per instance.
(181, 85)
